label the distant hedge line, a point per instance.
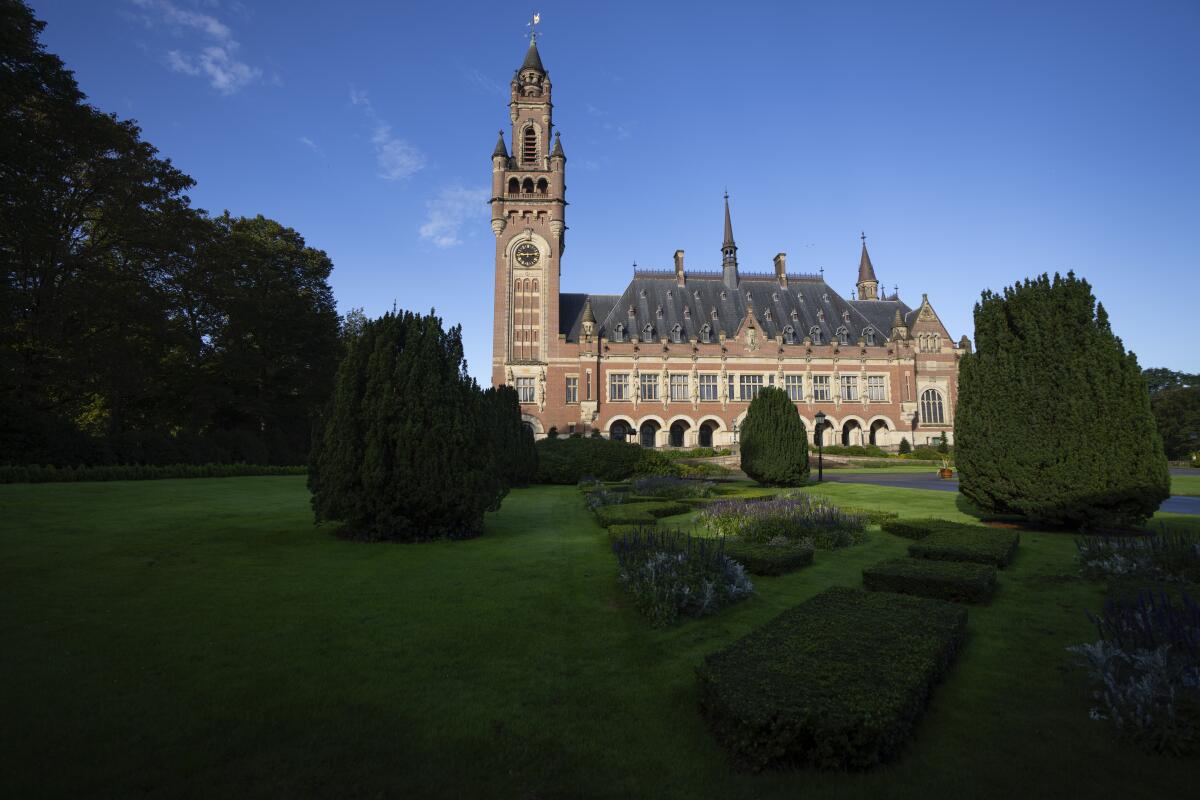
(138, 472)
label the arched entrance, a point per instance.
(647, 433)
(679, 429)
(879, 429)
(823, 434)
(619, 431)
(706, 434)
(851, 433)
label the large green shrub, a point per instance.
(570, 460)
(1053, 418)
(773, 440)
(838, 681)
(510, 439)
(399, 453)
(959, 581)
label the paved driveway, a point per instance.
(930, 480)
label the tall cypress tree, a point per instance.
(773, 441)
(511, 439)
(1053, 419)
(398, 455)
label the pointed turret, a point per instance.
(532, 59)
(501, 150)
(729, 251)
(868, 285)
(587, 322)
(899, 329)
(557, 152)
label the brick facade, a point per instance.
(689, 348)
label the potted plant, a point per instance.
(945, 471)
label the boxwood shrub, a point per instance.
(968, 543)
(944, 580)
(776, 557)
(874, 516)
(646, 513)
(836, 682)
(920, 528)
(569, 460)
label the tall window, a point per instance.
(732, 386)
(876, 388)
(679, 387)
(649, 385)
(572, 389)
(820, 388)
(814, 333)
(932, 411)
(795, 387)
(525, 390)
(529, 146)
(708, 386)
(849, 387)
(842, 335)
(618, 386)
(869, 337)
(750, 386)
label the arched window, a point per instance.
(529, 145)
(706, 332)
(514, 186)
(814, 333)
(527, 185)
(932, 411)
(676, 333)
(542, 186)
(869, 336)
(535, 286)
(789, 334)
(618, 333)
(842, 334)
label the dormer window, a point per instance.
(648, 333)
(845, 315)
(687, 312)
(714, 312)
(767, 314)
(670, 294)
(825, 297)
(642, 293)
(795, 315)
(820, 315)
(706, 333)
(619, 333)
(632, 310)
(723, 295)
(814, 333)
(696, 294)
(842, 335)
(676, 333)
(869, 336)
(775, 296)
(789, 334)
(800, 296)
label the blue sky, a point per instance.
(975, 143)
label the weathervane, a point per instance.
(532, 25)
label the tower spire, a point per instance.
(729, 251)
(868, 284)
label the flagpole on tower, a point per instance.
(532, 24)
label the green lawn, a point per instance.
(203, 638)
(1186, 485)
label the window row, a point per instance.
(740, 387)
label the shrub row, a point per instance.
(837, 682)
(643, 513)
(776, 557)
(570, 460)
(696, 452)
(668, 487)
(874, 516)
(943, 580)
(671, 574)
(138, 472)
(968, 543)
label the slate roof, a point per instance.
(866, 272)
(532, 59)
(659, 302)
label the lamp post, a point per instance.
(820, 437)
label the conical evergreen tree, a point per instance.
(511, 439)
(773, 441)
(1053, 419)
(399, 455)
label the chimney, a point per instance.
(679, 279)
(781, 269)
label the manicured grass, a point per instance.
(203, 638)
(1188, 485)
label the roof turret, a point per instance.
(557, 151)
(532, 59)
(501, 148)
(866, 272)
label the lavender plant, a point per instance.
(604, 497)
(801, 516)
(1161, 556)
(671, 574)
(1147, 669)
(669, 487)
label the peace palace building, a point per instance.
(676, 358)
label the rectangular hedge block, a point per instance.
(646, 513)
(768, 559)
(944, 580)
(968, 543)
(875, 516)
(837, 682)
(920, 528)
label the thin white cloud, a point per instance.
(217, 60)
(397, 159)
(482, 82)
(446, 214)
(311, 145)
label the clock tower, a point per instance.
(528, 206)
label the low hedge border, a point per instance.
(837, 682)
(769, 559)
(644, 513)
(138, 472)
(958, 581)
(875, 516)
(916, 528)
(968, 543)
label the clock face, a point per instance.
(527, 254)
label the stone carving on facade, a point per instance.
(694, 385)
(541, 389)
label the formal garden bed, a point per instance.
(941, 540)
(837, 682)
(959, 581)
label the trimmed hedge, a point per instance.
(646, 513)
(138, 472)
(569, 460)
(943, 580)
(875, 516)
(912, 528)
(836, 682)
(967, 543)
(769, 559)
